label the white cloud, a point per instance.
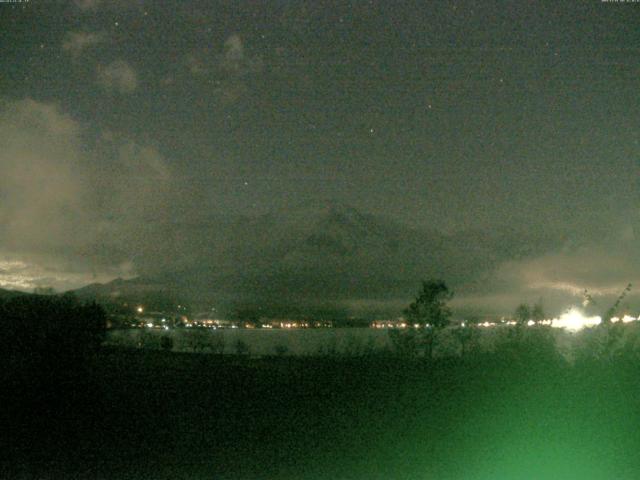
(601, 270)
(234, 59)
(560, 279)
(76, 42)
(229, 71)
(118, 76)
(69, 214)
(233, 52)
(27, 275)
(39, 161)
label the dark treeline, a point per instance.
(47, 328)
(47, 345)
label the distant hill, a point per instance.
(5, 294)
(130, 293)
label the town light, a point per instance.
(574, 320)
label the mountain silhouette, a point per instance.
(312, 255)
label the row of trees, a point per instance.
(42, 327)
(431, 312)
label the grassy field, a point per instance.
(134, 414)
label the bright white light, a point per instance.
(574, 320)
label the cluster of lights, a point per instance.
(573, 320)
(153, 325)
(625, 319)
(487, 324)
(392, 324)
(294, 324)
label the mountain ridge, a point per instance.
(326, 254)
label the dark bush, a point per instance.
(242, 348)
(166, 343)
(281, 350)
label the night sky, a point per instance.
(340, 150)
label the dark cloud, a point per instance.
(196, 144)
(74, 214)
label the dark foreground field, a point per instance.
(162, 415)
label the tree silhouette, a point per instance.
(466, 332)
(613, 310)
(429, 311)
(537, 312)
(614, 331)
(522, 314)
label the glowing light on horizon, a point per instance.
(574, 320)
